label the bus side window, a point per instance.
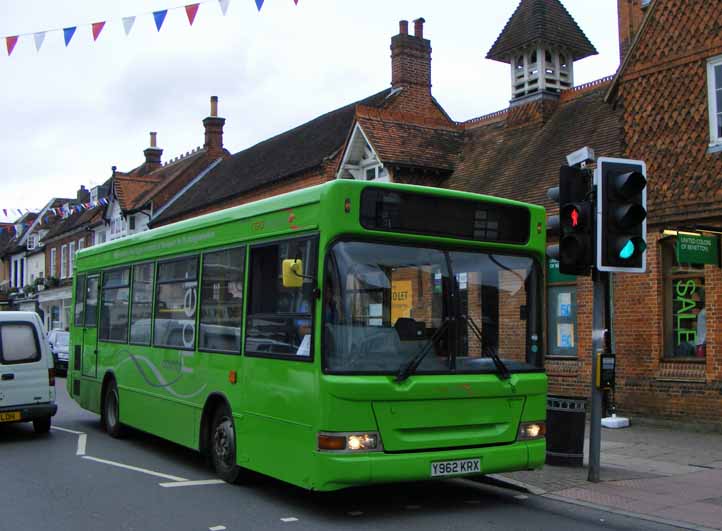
(176, 303)
(280, 319)
(91, 301)
(79, 299)
(222, 301)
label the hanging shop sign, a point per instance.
(553, 274)
(692, 249)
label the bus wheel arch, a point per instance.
(213, 402)
(218, 431)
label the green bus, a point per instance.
(344, 334)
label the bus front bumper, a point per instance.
(337, 471)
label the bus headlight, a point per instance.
(531, 430)
(349, 442)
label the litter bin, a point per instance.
(565, 430)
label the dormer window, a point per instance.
(32, 243)
(360, 161)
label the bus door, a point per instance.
(89, 345)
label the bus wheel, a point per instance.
(223, 446)
(111, 409)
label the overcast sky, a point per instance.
(69, 114)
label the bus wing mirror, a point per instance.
(292, 273)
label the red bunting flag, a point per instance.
(295, 2)
(10, 42)
(97, 28)
(191, 11)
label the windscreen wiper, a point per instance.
(500, 367)
(410, 366)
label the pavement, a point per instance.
(662, 474)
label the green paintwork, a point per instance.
(279, 406)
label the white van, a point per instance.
(27, 373)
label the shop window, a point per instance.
(685, 322)
(562, 312)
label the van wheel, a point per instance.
(111, 412)
(41, 425)
(223, 446)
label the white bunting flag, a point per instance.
(224, 6)
(128, 24)
(39, 37)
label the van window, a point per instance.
(19, 344)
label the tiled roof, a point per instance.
(74, 221)
(541, 20)
(402, 139)
(128, 188)
(170, 178)
(283, 156)
(521, 162)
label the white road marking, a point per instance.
(67, 430)
(521, 497)
(217, 528)
(192, 483)
(135, 468)
(82, 438)
(289, 519)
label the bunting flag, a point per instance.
(191, 11)
(159, 17)
(128, 24)
(39, 38)
(5, 211)
(68, 34)
(97, 28)
(10, 43)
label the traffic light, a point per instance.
(575, 223)
(622, 212)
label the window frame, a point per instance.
(64, 261)
(156, 285)
(715, 121)
(71, 258)
(246, 257)
(572, 285)
(101, 301)
(314, 237)
(53, 262)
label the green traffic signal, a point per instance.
(632, 248)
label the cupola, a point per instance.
(540, 42)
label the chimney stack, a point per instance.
(83, 195)
(213, 125)
(153, 153)
(630, 14)
(411, 57)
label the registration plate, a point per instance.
(9, 416)
(458, 466)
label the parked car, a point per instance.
(27, 372)
(59, 341)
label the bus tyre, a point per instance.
(223, 446)
(41, 425)
(111, 412)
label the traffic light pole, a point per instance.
(598, 344)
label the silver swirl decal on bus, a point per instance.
(160, 379)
